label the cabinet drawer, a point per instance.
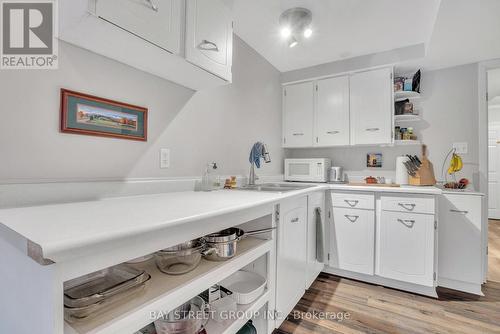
(413, 204)
(353, 200)
(352, 240)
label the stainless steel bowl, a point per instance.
(180, 259)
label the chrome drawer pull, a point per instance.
(351, 203)
(459, 211)
(407, 222)
(295, 220)
(332, 132)
(352, 219)
(212, 46)
(152, 5)
(298, 134)
(407, 206)
(372, 129)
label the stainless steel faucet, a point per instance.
(267, 159)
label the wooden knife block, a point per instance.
(425, 174)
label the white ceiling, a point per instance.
(466, 31)
(342, 28)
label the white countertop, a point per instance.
(62, 227)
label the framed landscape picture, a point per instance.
(90, 115)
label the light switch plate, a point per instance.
(164, 158)
(460, 148)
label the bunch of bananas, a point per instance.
(456, 164)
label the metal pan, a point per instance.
(222, 246)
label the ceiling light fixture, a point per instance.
(295, 24)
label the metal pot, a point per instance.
(180, 259)
(189, 318)
(222, 246)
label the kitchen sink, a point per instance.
(275, 187)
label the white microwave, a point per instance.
(307, 170)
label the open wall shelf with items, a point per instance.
(407, 109)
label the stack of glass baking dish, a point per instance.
(87, 295)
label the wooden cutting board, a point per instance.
(374, 184)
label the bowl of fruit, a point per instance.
(462, 184)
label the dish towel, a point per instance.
(320, 255)
(256, 154)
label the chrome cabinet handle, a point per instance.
(211, 46)
(372, 129)
(407, 222)
(351, 218)
(407, 206)
(298, 134)
(459, 211)
(153, 5)
(332, 132)
(351, 203)
(295, 220)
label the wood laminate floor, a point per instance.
(375, 309)
(494, 250)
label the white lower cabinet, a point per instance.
(291, 254)
(405, 247)
(316, 238)
(461, 242)
(352, 240)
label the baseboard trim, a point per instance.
(409, 287)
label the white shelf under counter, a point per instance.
(165, 292)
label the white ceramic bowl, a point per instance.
(246, 286)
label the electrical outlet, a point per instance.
(164, 158)
(460, 148)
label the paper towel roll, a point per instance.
(401, 172)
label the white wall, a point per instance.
(213, 125)
(450, 114)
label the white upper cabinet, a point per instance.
(354, 109)
(188, 42)
(209, 36)
(156, 21)
(372, 107)
(332, 112)
(298, 108)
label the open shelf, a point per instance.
(407, 142)
(232, 326)
(165, 292)
(404, 94)
(407, 118)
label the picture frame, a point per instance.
(95, 116)
(374, 160)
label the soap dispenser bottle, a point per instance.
(208, 179)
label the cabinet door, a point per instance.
(332, 112)
(316, 238)
(371, 107)
(209, 36)
(405, 247)
(352, 240)
(460, 238)
(291, 258)
(298, 106)
(156, 21)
